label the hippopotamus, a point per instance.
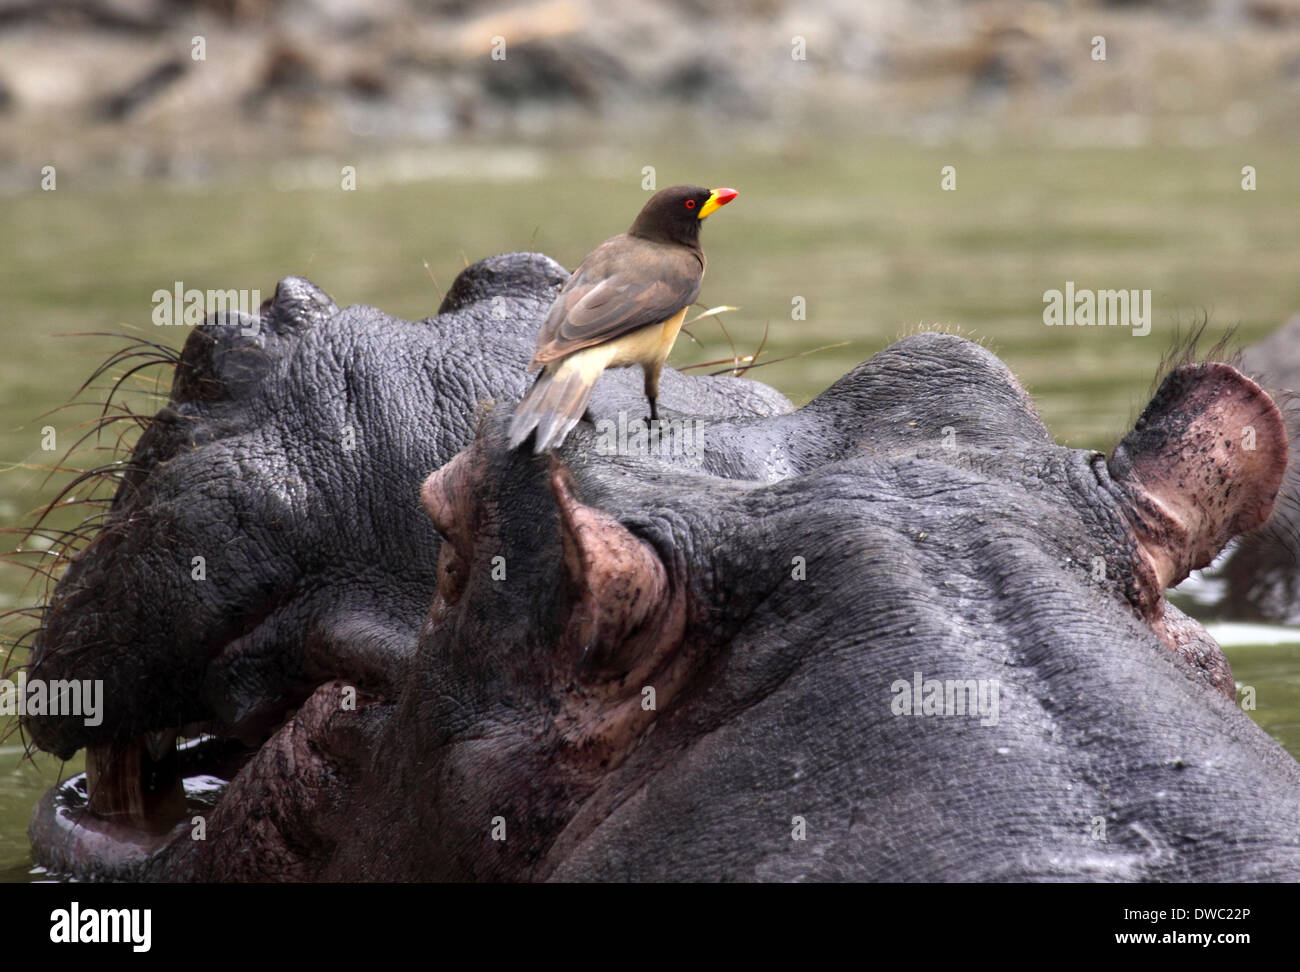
(896, 634)
(267, 535)
(1262, 569)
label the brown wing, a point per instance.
(624, 284)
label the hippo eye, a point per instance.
(690, 204)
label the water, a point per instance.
(859, 230)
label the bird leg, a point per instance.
(652, 388)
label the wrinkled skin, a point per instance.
(1263, 570)
(319, 559)
(939, 529)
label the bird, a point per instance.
(623, 306)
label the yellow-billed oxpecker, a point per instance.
(623, 306)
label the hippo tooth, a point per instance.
(116, 778)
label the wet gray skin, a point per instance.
(1263, 569)
(289, 458)
(642, 666)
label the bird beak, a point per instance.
(717, 199)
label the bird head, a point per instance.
(673, 215)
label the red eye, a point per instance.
(690, 204)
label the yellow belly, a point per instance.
(648, 346)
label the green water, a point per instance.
(861, 231)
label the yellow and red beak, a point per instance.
(717, 199)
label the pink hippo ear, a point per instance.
(450, 497)
(1203, 464)
(626, 618)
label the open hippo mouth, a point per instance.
(195, 681)
(143, 780)
(207, 644)
(245, 560)
(139, 805)
(275, 694)
(111, 820)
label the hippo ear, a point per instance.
(1203, 464)
(450, 497)
(626, 616)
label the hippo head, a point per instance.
(266, 543)
(638, 669)
(266, 535)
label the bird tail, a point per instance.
(554, 405)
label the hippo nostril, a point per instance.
(295, 304)
(196, 379)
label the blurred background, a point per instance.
(377, 146)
